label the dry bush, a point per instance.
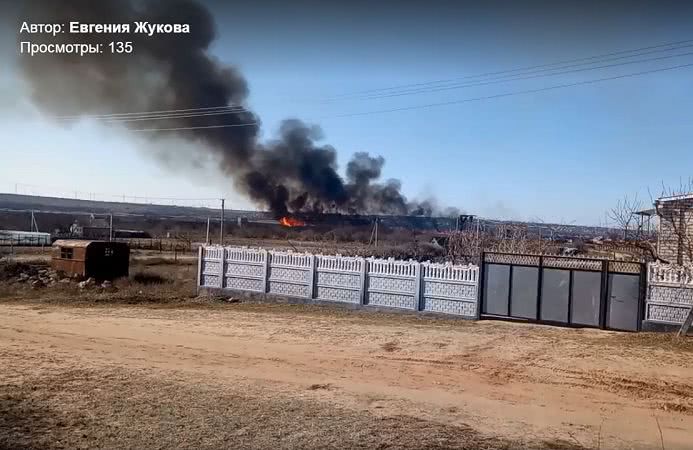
(147, 278)
(11, 270)
(162, 261)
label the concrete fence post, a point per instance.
(362, 288)
(199, 269)
(311, 277)
(265, 272)
(418, 300)
(222, 268)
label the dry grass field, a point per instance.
(154, 366)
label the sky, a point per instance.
(560, 155)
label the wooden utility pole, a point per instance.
(110, 227)
(207, 238)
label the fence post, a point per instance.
(222, 268)
(364, 274)
(417, 287)
(199, 269)
(311, 278)
(642, 299)
(540, 284)
(604, 297)
(265, 272)
(480, 286)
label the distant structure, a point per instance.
(674, 240)
(464, 222)
(131, 234)
(10, 238)
(98, 229)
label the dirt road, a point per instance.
(360, 379)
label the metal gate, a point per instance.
(563, 290)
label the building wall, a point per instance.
(675, 237)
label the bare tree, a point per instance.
(623, 214)
(466, 246)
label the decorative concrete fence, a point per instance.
(339, 278)
(450, 289)
(441, 288)
(669, 293)
(290, 274)
(393, 283)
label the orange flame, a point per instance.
(291, 222)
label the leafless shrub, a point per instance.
(623, 214)
(148, 278)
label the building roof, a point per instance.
(646, 212)
(673, 198)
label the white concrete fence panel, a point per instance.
(441, 288)
(339, 278)
(450, 289)
(290, 274)
(669, 293)
(393, 283)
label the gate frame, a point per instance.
(603, 295)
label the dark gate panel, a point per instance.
(563, 290)
(587, 288)
(555, 295)
(624, 293)
(523, 301)
(496, 289)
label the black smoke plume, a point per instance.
(292, 173)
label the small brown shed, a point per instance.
(102, 260)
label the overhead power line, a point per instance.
(173, 116)
(151, 113)
(519, 77)
(508, 94)
(508, 71)
(231, 125)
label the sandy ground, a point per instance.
(292, 376)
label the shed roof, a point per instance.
(81, 243)
(72, 243)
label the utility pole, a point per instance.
(376, 231)
(207, 238)
(221, 228)
(110, 228)
(34, 224)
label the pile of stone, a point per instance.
(46, 277)
(39, 278)
(91, 283)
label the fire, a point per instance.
(291, 222)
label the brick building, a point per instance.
(675, 236)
